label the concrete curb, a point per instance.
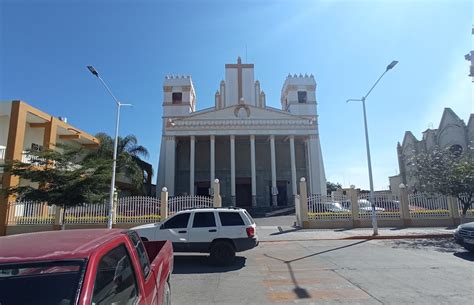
(368, 237)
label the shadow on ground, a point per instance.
(281, 231)
(469, 256)
(301, 292)
(194, 264)
(446, 245)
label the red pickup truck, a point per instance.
(93, 267)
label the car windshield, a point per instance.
(45, 283)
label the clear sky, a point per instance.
(46, 45)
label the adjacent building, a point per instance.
(258, 152)
(452, 133)
(24, 128)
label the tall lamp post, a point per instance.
(371, 182)
(114, 163)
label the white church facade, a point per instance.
(257, 152)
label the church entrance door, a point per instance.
(282, 197)
(202, 188)
(243, 192)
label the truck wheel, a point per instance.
(167, 294)
(222, 253)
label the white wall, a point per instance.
(248, 87)
(33, 135)
(231, 87)
(4, 126)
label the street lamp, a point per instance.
(114, 163)
(371, 196)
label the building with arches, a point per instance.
(452, 133)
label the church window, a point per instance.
(456, 150)
(177, 97)
(301, 96)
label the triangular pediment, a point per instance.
(408, 139)
(470, 124)
(450, 118)
(239, 112)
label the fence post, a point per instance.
(404, 208)
(454, 210)
(10, 216)
(353, 197)
(58, 217)
(217, 194)
(114, 208)
(303, 210)
(164, 204)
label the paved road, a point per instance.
(410, 271)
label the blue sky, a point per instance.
(46, 45)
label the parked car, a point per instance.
(464, 235)
(332, 207)
(98, 266)
(219, 231)
(366, 206)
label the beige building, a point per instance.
(256, 151)
(23, 128)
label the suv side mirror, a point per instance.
(162, 226)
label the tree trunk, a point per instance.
(466, 204)
(63, 222)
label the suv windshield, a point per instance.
(40, 283)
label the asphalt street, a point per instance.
(402, 271)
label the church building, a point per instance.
(258, 153)
(453, 134)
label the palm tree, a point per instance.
(129, 157)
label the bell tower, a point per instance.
(298, 95)
(179, 98)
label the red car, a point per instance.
(81, 267)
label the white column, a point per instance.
(170, 164)
(293, 166)
(191, 165)
(252, 165)
(272, 156)
(213, 161)
(232, 169)
(308, 167)
(315, 166)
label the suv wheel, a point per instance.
(222, 253)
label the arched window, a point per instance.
(177, 97)
(302, 96)
(456, 150)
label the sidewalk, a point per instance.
(287, 233)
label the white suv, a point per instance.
(218, 231)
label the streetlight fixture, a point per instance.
(114, 163)
(371, 182)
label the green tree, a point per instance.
(332, 186)
(59, 177)
(448, 172)
(129, 157)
